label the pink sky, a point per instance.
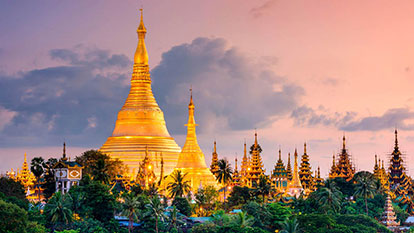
(349, 56)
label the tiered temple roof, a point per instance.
(289, 169)
(295, 187)
(279, 174)
(305, 173)
(343, 168)
(396, 168)
(214, 160)
(256, 164)
(236, 174)
(388, 217)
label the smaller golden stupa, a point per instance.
(191, 160)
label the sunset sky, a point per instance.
(295, 70)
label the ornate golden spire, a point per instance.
(255, 138)
(343, 142)
(191, 159)
(333, 160)
(396, 140)
(304, 148)
(141, 55)
(280, 154)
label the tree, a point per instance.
(12, 218)
(12, 188)
(37, 167)
(329, 199)
(59, 209)
(89, 159)
(263, 188)
(239, 195)
(290, 226)
(156, 209)
(98, 202)
(130, 208)
(49, 185)
(179, 186)
(365, 187)
(224, 174)
(100, 171)
(205, 197)
(278, 214)
(182, 205)
(243, 220)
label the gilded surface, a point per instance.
(140, 122)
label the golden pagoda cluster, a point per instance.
(283, 178)
(26, 178)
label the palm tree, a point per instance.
(329, 198)
(152, 190)
(179, 185)
(263, 188)
(156, 209)
(37, 168)
(290, 226)
(243, 220)
(224, 174)
(58, 209)
(365, 188)
(131, 206)
(100, 171)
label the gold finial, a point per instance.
(215, 147)
(245, 150)
(396, 138)
(236, 163)
(280, 154)
(191, 95)
(304, 148)
(333, 159)
(376, 164)
(141, 55)
(25, 157)
(343, 142)
(382, 164)
(255, 138)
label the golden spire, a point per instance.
(333, 160)
(25, 158)
(304, 149)
(376, 164)
(396, 139)
(255, 138)
(141, 55)
(382, 164)
(245, 151)
(235, 160)
(215, 147)
(343, 142)
(280, 154)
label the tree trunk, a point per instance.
(366, 205)
(131, 224)
(156, 224)
(38, 189)
(224, 199)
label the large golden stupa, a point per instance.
(140, 123)
(191, 160)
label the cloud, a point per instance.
(6, 116)
(76, 100)
(306, 116)
(258, 11)
(396, 117)
(231, 90)
(402, 118)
